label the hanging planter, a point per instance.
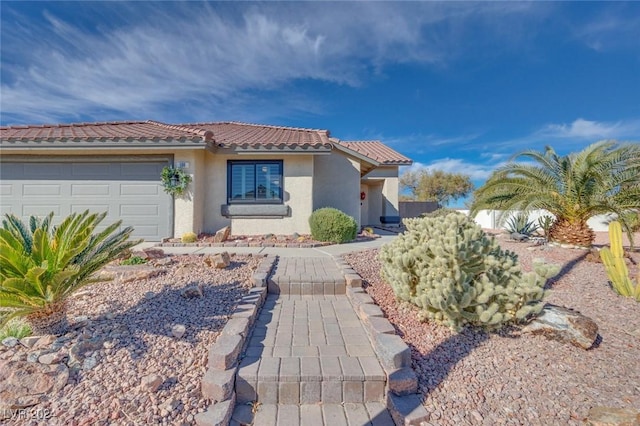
(175, 180)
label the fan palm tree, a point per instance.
(42, 265)
(603, 178)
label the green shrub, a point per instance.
(134, 260)
(329, 224)
(41, 265)
(189, 237)
(457, 275)
(15, 328)
(442, 211)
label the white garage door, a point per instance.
(130, 191)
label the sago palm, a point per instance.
(603, 178)
(41, 265)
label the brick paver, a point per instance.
(308, 359)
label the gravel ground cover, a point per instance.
(132, 323)
(475, 378)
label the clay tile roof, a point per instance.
(139, 130)
(247, 135)
(377, 151)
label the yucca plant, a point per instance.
(41, 265)
(602, 178)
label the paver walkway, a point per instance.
(308, 359)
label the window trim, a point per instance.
(231, 163)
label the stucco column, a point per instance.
(188, 208)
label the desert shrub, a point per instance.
(329, 224)
(189, 237)
(457, 275)
(520, 224)
(17, 328)
(442, 211)
(134, 260)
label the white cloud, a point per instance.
(476, 171)
(587, 129)
(206, 60)
(617, 26)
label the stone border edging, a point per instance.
(218, 383)
(244, 244)
(403, 401)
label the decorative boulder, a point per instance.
(23, 384)
(222, 234)
(564, 325)
(192, 291)
(607, 416)
(218, 261)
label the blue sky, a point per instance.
(455, 86)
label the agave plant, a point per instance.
(520, 224)
(41, 265)
(602, 178)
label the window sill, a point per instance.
(255, 210)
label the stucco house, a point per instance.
(257, 178)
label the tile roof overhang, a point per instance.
(237, 137)
(378, 152)
(225, 137)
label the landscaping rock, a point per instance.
(10, 342)
(564, 325)
(607, 416)
(79, 350)
(52, 358)
(519, 237)
(138, 273)
(151, 383)
(222, 234)
(24, 384)
(45, 341)
(192, 291)
(218, 261)
(178, 331)
(29, 341)
(89, 363)
(153, 253)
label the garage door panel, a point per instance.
(42, 171)
(92, 170)
(137, 198)
(149, 171)
(93, 208)
(88, 189)
(41, 210)
(138, 189)
(41, 189)
(148, 210)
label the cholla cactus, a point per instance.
(449, 268)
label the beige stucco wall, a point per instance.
(189, 208)
(298, 195)
(386, 176)
(337, 184)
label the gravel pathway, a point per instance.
(133, 322)
(475, 378)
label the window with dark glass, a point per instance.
(254, 182)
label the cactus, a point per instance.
(613, 260)
(457, 275)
